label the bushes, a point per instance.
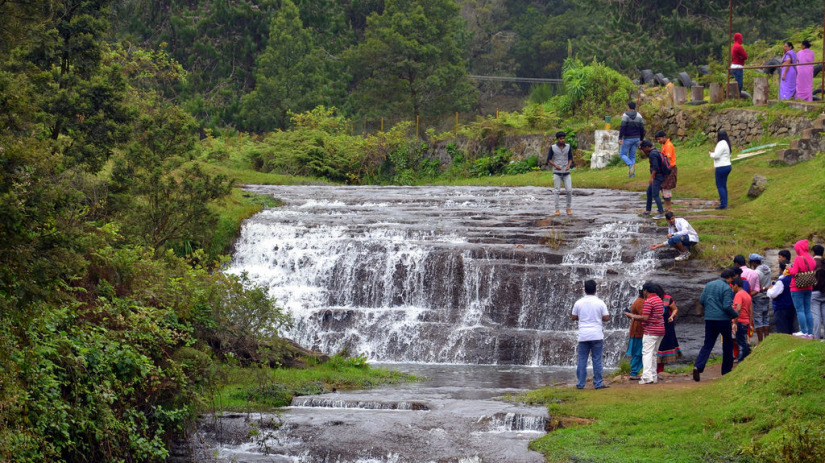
(119, 361)
(594, 90)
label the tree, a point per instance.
(80, 103)
(288, 77)
(412, 60)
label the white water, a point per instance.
(438, 275)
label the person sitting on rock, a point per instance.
(680, 235)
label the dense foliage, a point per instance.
(107, 336)
(249, 61)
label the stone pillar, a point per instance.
(733, 90)
(716, 95)
(679, 95)
(760, 91)
(697, 93)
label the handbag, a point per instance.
(805, 279)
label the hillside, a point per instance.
(768, 408)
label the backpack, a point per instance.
(664, 164)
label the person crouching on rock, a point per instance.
(680, 235)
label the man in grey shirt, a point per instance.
(560, 158)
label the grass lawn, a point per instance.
(265, 389)
(769, 408)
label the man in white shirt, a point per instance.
(680, 235)
(590, 312)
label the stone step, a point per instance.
(819, 124)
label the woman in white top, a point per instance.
(721, 161)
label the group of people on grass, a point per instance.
(663, 170)
(736, 305)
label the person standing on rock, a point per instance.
(631, 132)
(717, 299)
(680, 235)
(591, 312)
(653, 324)
(738, 56)
(560, 157)
(669, 183)
(658, 172)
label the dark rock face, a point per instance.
(456, 275)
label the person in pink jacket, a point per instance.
(802, 296)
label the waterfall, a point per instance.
(443, 275)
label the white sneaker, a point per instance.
(799, 334)
(682, 257)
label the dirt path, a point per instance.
(669, 381)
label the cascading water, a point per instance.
(470, 288)
(441, 275)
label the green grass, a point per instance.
(232, 211)
(769, 408)
(263, 389)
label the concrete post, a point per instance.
(697, 93)
(733, 90)
(760, 91)
(679, 95)
(716, 94)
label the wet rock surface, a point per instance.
(455, 274)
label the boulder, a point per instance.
(758, 186)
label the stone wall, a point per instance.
(522, 146)
(743, 125)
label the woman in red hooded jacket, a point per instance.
(738, 56)
(802, 296)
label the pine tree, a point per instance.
(288, 77)
(412, 60)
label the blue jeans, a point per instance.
(594, 350)
(653, 194)
(628, 150)
(713, 328)
(634, 350)
(818, 312)
(738, 76)
(684, 239)
(722, 184)
(802, 303)
(742, 340)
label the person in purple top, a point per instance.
(787, 75)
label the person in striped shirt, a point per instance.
(653, 324)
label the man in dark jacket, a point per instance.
(657, 176)
(717, 298)
(631, 132)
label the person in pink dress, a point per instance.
(787, 75)
(805, 74)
